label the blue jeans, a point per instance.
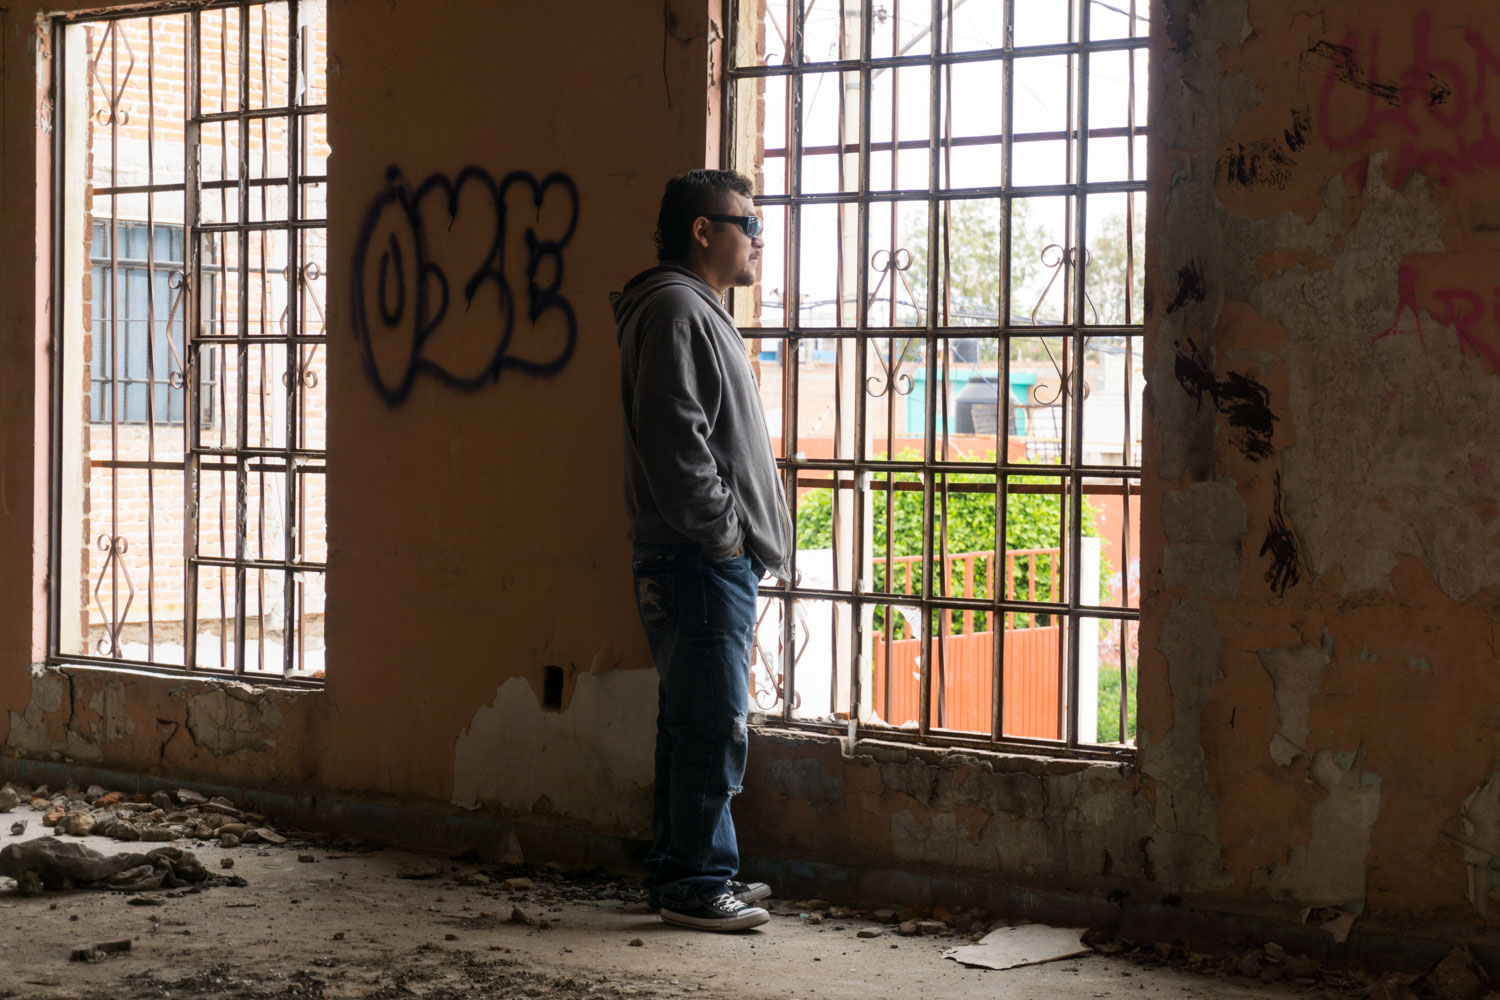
(700, 620)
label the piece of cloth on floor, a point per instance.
(64, 865)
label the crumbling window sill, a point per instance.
(71, 669)
(898, 751)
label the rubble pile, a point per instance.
(1268, 963)
(971, 923)
(1457, 977)
(161, 817)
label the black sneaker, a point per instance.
(723, 913)
(748, 892)
(745, 892)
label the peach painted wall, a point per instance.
(476, 536)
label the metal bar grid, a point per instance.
(1073, 518)
(958, 194)
(220, 321)
(948, 144)
(869, 475)
(255, 182)
(940, 59)
(788, 662)
(163, 8)
(1003, 405)
(1011, 331)
(193, 434)
(57, 230)
(929, 358)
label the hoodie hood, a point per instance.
(628, 303)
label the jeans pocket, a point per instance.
(655, 594)
(730, 590)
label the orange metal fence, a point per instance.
(1033, 703)
(972, 574)
(964, 659)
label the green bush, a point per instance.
(1109, 703)
(1033, 521)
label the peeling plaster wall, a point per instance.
(1320, 548)
(1321, 579)
(233, 718)
(592, 760)
(1023, 819)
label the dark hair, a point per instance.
(688, 196)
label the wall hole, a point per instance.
(552, 685)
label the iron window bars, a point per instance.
(202, 550)
(865, 297)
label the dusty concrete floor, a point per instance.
(345, 924)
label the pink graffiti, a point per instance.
(1477, 466)
(1434, 107)
(1461, 308)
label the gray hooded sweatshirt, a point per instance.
(698, 465)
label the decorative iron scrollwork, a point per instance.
(307, 273)
(114, 547)
(112, 114)
(892, 377)
(177, 281)
(770, 689)
(303, 374)
(1064, 258)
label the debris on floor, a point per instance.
(498, 905)
(54, 865)
(1335, 920)
(161, 817)
(405, 972)
(912, 921)
(1270, 963)
(99, 952)
(423, 868)
(1027, 944)
(1457, 977)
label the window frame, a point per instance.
(298, 459)
(855, 474)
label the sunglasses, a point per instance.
(751, 224)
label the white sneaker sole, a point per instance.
(752, 916)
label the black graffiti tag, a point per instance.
(406, 247)
(1244, 402)
(1281, 545)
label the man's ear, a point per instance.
(700, 231)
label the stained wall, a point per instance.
(1325, 357)
(1320, 569)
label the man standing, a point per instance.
(708, 520)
